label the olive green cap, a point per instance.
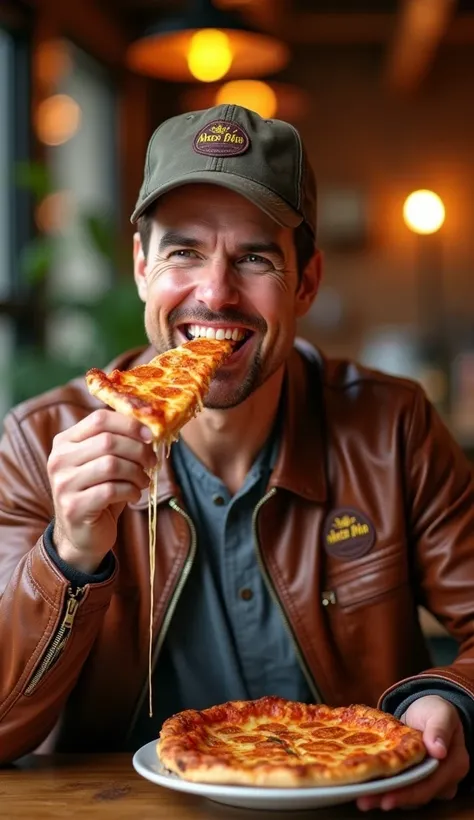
(263, 160)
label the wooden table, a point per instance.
(106, 787)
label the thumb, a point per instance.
(439, 730)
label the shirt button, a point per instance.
(218, 500)
(246, 594)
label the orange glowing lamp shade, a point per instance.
(253, 94)
(205, 44)
(423, 212)
(209, 55)
(57, 119)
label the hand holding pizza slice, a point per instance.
(163, 395)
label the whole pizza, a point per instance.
(281, 743)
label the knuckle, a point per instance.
(59, 485)
(107, 493)
(54, 462)
(107, 442)
(98, 419)
(68, 507)
(109, 466)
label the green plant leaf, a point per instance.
(36, 258)
(34, 177)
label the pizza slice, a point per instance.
(274, 742)
(168, 391)
(163, 394)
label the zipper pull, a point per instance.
(72, 607)
(328, 597)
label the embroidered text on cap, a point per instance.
(221, 138)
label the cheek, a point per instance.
(167, 288)
(274, 303)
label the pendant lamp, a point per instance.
(206, 44)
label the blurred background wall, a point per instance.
(381, 91)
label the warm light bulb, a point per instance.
(252, 94)
(423, 212)
(209, 55)
(57, 119)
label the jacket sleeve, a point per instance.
(47, 625)
(440, 514)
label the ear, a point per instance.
(309, 284)
(139, 267)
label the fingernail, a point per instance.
(441, 743)
(146, 435)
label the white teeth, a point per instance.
(216, 333)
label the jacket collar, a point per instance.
(300, 464)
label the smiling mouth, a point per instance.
(238, 335)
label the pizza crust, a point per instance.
(273, 742)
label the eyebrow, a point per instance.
(173, 238)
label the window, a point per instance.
(84, 173)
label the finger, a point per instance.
(82, 508)
(104, 420)
(408, 796)
(99, 471)
(75, 454)
(439, 731)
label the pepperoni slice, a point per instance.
(246, 738)
(230, 730)
(329, 732)
(362, 739)
(325, 746)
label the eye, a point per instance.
(256, 261)
(183, 253)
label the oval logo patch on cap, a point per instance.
(221, 138)
(348, 534)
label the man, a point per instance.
(302, 516)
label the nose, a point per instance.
(216, 287)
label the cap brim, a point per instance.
(262, 197)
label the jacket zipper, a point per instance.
(299, 654)
(179, 588)
(59, 640)
(171, 606)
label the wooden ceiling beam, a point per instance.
(307, 28)
(421, 27)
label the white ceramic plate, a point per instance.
(146, 763)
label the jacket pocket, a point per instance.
(367, 581)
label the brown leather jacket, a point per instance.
(369, 513)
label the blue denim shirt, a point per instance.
(227, 639)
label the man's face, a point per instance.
(217, 265)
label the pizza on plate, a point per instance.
(280, 743)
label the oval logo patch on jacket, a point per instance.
(348, 534)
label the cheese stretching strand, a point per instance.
(163, 395)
